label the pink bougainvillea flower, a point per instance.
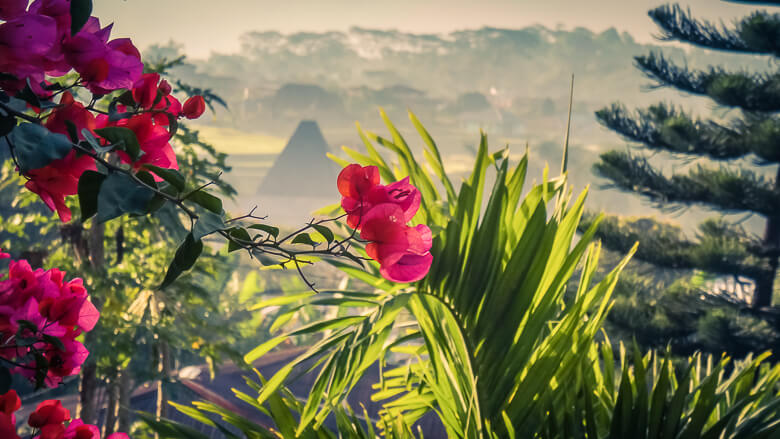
(48, 412)
(403, 252)
(105, 66)
(57, 180)
(4, 255)
(72, 308)
(8, 427)
(10, 9)
(354, 180)
(193, 107)
(153, 139)
(79, 430)
(24, 43)
(73, 111)
(10, 402)
(64, 363)
(169, 105)
(400, 193)
(145, 90)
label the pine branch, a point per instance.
(661, 244)
(719, 248)
(665, 128)
(757, 33)
(758, 92)
(721, 189)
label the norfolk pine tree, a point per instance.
(749, 133)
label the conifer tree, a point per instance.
(728, 165)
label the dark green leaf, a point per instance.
(271, 230)
(5, 379)
(80, 10)
(120, 194)
(72, 131)
(36, 147)
(52, 340)
(324, 231)
(186, 256)
(240, 234)
(126, 99)
(207, 224)
(303, 238)
(172, 176)
(206, 200)
(114, 115)
(26, 325)
(29, 96)
(89, 187)
(123, 138)
(7, 124)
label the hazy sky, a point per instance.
(204, 26)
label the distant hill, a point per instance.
(302, 170)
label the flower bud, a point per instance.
(165, 88)
(193, 107)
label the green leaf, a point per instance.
(172, 176)
(324, 231)
(239, 234)
(35, 146)
(205, 200)
(54, 341)
(186, 256)
(303, 238)
(207, 224)
(89, 188)
(5, 379)
(123, 138)
(80, 10)
(271, 230)
(7, 124)
(120, 194)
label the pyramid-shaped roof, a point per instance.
(302, 169)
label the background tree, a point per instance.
(726, 164)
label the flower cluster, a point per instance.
(36, 42)
(40, 317)
(36, 46)
(48, 421)
(381, 213)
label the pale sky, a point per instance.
(206, 26)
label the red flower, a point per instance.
(153, 139)
(8, 427)
(354, 181)
(79, 430)
(145, 90)
(402, 251)
(193, 107)
(400, 193)
(48, 412)
(105, 66)
(73, 111)
(10, 402)
(59, 179)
